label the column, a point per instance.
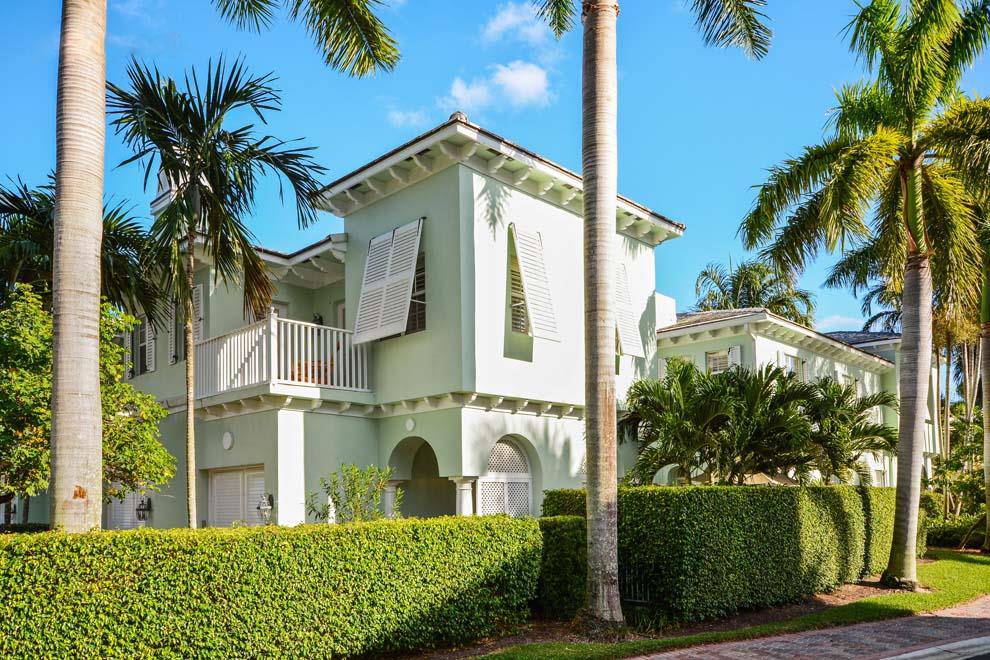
(388, 498)
(465, 495)
(290, 486)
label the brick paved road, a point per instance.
(881, 639)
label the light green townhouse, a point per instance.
(441, 334)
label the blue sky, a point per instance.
(697, 126)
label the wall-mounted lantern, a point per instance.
(143, 509)
(265, 506)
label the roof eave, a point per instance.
(460, 142)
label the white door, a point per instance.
(235, 495)
(122, 514)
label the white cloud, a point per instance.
(523, 83)
(469, 97)
(838, 322)
(408, 118)
(516, 21)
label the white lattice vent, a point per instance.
(506, 457)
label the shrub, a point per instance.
(690, 553)
(562, 591)
(950, 533)
(312, 590)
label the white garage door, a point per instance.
(234, 496)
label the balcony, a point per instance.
(281, 351)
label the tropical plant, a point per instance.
(133, 456)
(960, 472)
(351, 38)
(845, 426)
(767, 431)
(910, 147)
(673, 421)
(352, 495)
(753, 284)
(212, 170)
(27, 236)
(723, 23)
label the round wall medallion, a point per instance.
(227, 440)
(410, 424)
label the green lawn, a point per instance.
(954, 578)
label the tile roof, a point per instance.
(857, 337)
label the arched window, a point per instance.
(508, 484)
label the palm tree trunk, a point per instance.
(600, 171)
(190, 351)
(947, 425)
(77, 452)
(916, 364)
(985, 374)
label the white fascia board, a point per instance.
(668, 333)
(541, 165)
(337, 246)
(857, 353)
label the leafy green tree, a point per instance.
(352, 495)
(133, 456)
(753, 284)
(844, 427)
(213, 169)
(910, 147)
(27, 237)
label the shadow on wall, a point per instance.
(495, 196)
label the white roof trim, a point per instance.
(775, 327)
(458, 141)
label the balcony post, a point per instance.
(272, 332)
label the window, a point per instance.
(534, 287)
(879, 478)
(143, 347)
(517, 296)
(507, 486)
(717, 361)
(235, 497)
(417, 300)
(794, 365)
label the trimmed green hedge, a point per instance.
(563, 585)
(313, 590)
(691, 553)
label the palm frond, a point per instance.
(961, 136)
(248, 14)
(734, 23)
(558, 14)
(350, 34)
(873, 30)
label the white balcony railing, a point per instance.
(280, 350)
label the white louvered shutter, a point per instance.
(198, 313)
(735, 356)
(383, 307)
(149, 344)
(172, 352)
(369, 314)
(625, 320)
(536, 284)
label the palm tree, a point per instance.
(77, 462)
(351, 38)
(673, 420)
(27, 234)
(909, 145)
(213, 169)
(846, 426)
(723, 23)
(753, 284)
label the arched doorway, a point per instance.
(507, 486)
(425, 494)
